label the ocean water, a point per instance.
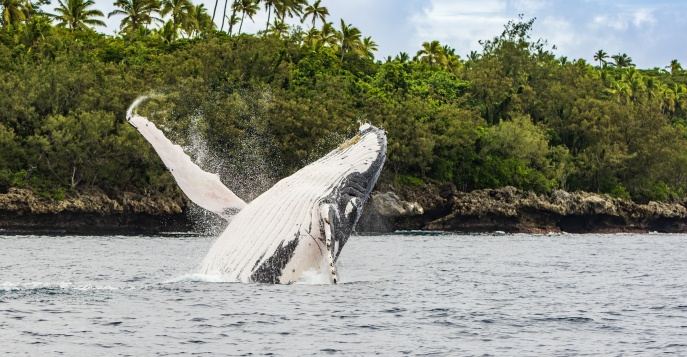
(414, 294)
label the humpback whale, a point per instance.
(298, 226)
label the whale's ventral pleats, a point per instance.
(299, 225)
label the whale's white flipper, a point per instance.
(203, 188)
(302, 223)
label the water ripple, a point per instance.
(441, 295)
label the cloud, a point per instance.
(460, 23)
(643, 16)
(639, 18)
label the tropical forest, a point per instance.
(270, 102)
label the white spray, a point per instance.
(132, 108)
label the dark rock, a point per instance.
(382, 212)
(92, 213)
(511, 210)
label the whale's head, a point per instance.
(366, 153)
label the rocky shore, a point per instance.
(94, 212)
(514, 211)
(435, 208)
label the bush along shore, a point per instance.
(431, 208)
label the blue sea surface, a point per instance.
(415, 294)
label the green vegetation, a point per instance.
(514, 114)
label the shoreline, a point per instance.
(432, 208)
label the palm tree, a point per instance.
(652, 88)
(448, 51)
(202, 20)
(290, 8)
(190, 25)
(601, 56)
(634, 83)
(367, 47)
(474, 56)
(269, 5)
(328, 34)
(452, 63)
(137, 14)
(76, 14)
(348, 39)
(181, 11)
(431, 53)
(312, 38)
(234, 19)
(316, 11)
(14, 11)
(668, 100)
(675, 67)
(224, 16)
(214, 11)
(622, 61)
(247, 7)
(36, 28)
(168, 32)
(402, 57)
(278, 27)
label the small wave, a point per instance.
(199, 278)
(11, 287)
(573, 319)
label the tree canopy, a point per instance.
(268, 103)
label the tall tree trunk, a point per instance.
(231, 19)
(225, 14)
(214, 11)
(269, 12)
(242, 18)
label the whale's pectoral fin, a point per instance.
(328, 219)
(203, 188)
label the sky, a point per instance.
(652, 32)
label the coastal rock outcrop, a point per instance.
(511, 210)
(91, 212)
(383, 210)
(432, 207)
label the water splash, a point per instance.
(132, 108)
(313, 277)
(246, 166)
(40, 286)
(199, 278)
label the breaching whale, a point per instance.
(298, 226)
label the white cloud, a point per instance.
(460, 23)
(624, 20)
(643, 16)
(529, 6)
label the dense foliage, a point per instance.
(514, 114)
